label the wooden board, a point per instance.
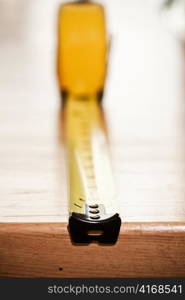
(45, 250)
(145, 111)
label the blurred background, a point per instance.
(142, 35)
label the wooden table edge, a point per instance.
(130, 228)
(44, 250)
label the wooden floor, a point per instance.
(144, 105)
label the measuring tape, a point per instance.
(82, 53)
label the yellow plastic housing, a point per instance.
(82, 48)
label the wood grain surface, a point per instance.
(44, 250)
(144, 105)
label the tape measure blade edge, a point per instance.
(85, 206)
(80, 229)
